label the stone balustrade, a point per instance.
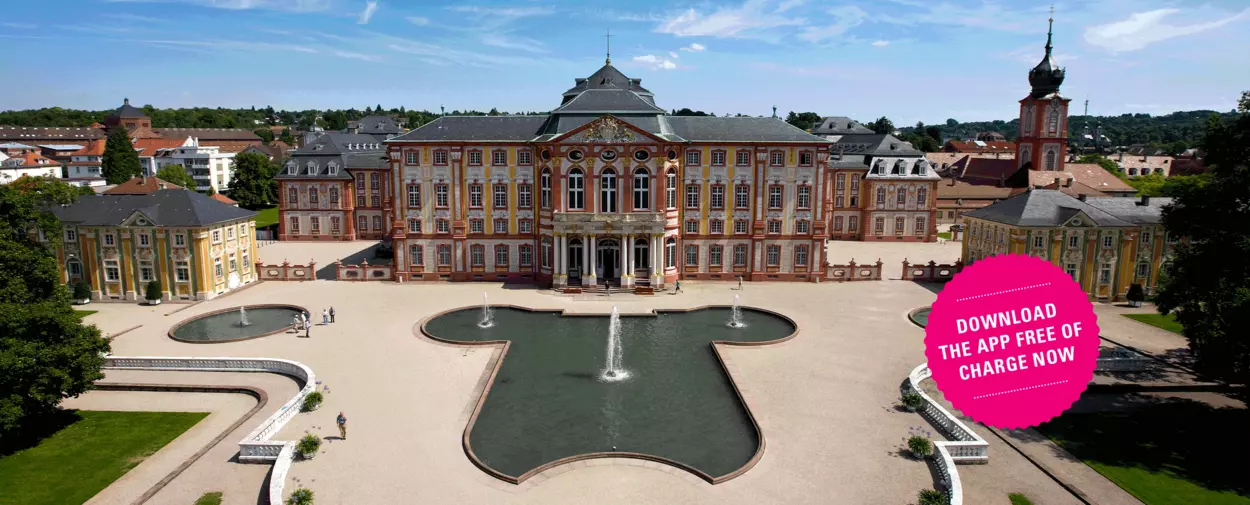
(965, 447)
(257, 446)
(852, 271)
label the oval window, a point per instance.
(545, 155)
(672, 155)
(608, 155)
(575, 155)
(641, 155)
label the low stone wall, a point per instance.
(257, 446)
(966, 447)
(287, 271)
(363, 272)
(932, 272)
(852, 271)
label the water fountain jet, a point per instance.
(735, 317)
(243, 317)
(613, 371)
(488, 316)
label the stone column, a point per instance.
(556, 258)
(657, 260)
(589, 266)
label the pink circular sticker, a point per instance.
(1012, 341)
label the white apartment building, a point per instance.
(85, 167)
(30, 164)
(207, 164)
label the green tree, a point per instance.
(265, 134)
(1207, 282)
(1106, 163)
(881, 125)
(1158, 185)
(252, 184)
(121, 162)
(46, 353)
(803, 120)
(176, 174)
(286, 136)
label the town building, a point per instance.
(337, 187)
(197, 247)
(980, 147)
(207, 164)
(973, 182)
(1135, 165)
(150, 150)
(1106, 244)
(85, 166)
(30, 164)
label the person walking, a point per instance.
(678, 290)
(342, 422)
(307, 328)
(297, 323)
(325, 316)
(331, 314)
(739, 283)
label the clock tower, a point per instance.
(1043, 135)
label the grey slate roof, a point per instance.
(208, 133)
(165, 207)
(839, 125)
(365, 160)
(477, 129)
(378, 125)
(608, 101)
(564, 123)
(36, 134)
(1045, 207)
(349, 150)
(127, 111)
(607, 77)
(874, 144)
(1132, 209)
(738, 129)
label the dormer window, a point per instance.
(332, 168)
(312, 168)
(900, 168)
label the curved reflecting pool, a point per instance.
(920, 316)
(236, 323)
(550, 400)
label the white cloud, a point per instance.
(655, 62)
(231, 44)
(673, 55)
(507, 42)
(789, 4)
(880, 43)
(135, 18)
(357, 56)
(845, 18)
(370, 7)
(418, 20)
(22, 26)
(507, 13)
(1144, 28)
(753, 19)
(279, 5)
(694, 47)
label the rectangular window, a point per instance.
(501, 196)
(1107, 242)
(526, 254)
(182, 272)
(373, 180)
(920, 229)
(774, 255)
(524, 157)
(477, 255)
(805, 158)
(477, 225)
(692, 196)
(217, 268)
(740, 226)
(145, 272)
(501, 226)
(742, 196)
(777, 158)
(852, 224)
(714, 254)
(671, 189)
(692, 158)
(854, 201)
(774, 226)
(292, 196)
(841, 181)
(334, 197)
(216, 236)
(234, 264)
(70, 235)
(108, 239)
(899, 225)
(440, 195)
(837, 224)
(525, 198)
(670, 253)
(444, 255)
(805, 196)
(501, 255)
(475, 157)
(692, 226)
(902, 198)
(315, 224)
(362, 224)
(743, 157)
(774, 196)
(854, 182)
(360, 186)
(499, 157)
(335, 227)
(1039, 242)
(377, 223)
(800, 256)
(718, 196)
(1074, 242)
(416, 255)
(475, 196)
(375, 201)
(412, 157)
(837, 201)
(545, 253)
(144, 241)
(1145, 237)
(229, 236)
(740, 255)
(440, 157)
(692, 255)
(414, 196)
(716, 226)
(881, 197)
(525, 226)
(414, 226)
(180, 240)
(293, 224)
(718, 158)
(111, 272)
(1072, 271)
(879, 226)
(802, 227)
(1104, 274)
(442, 225)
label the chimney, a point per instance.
(1081, 197)
(1145, 201)
(126, 101)
(1068, 183)
(1121, 156)
(1056, 182)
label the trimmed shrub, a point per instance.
(933, 497)
(301, 496)
(919, 445)
(311, 402)
(82, 291)
(1136, 293)
(912, 400)
(308, 445)
(154, 290)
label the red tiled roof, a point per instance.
(1094, 176)
(987, 168)
(93, 148)
(148, 147)
(141, 186)
(32, 159)
(223, 199)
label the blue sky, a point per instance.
(906, 59)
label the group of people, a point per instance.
(303, 320)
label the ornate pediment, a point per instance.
(608, 130)
(137, 218)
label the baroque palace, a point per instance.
(609, 190)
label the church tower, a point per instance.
(1043, 135)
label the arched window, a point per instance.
(607, 191)
(641, 257)
(671, 190)
(642, 190)
(544, 185)
(1050, 160)
(576, 189)
(1052, 123)
(670, 253)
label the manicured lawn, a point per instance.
(266, 217)
(1167, 322)
(1019, 499)
(84, 313)
(1171, 452)
(946, 235)
(82, 452)
(213, 498)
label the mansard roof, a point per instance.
(840, 125)
(608, 101)
(477, 129)
(1045, 207)
(607, 77)
(738, 129)
(165, 207)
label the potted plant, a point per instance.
(301, 496)
(153, 294)
(918, 443)
(912, 401)
(82, 293)
(311, 402)
(1136, 295)
(933, 497)
(307, 446)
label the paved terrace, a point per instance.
(824, 400)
